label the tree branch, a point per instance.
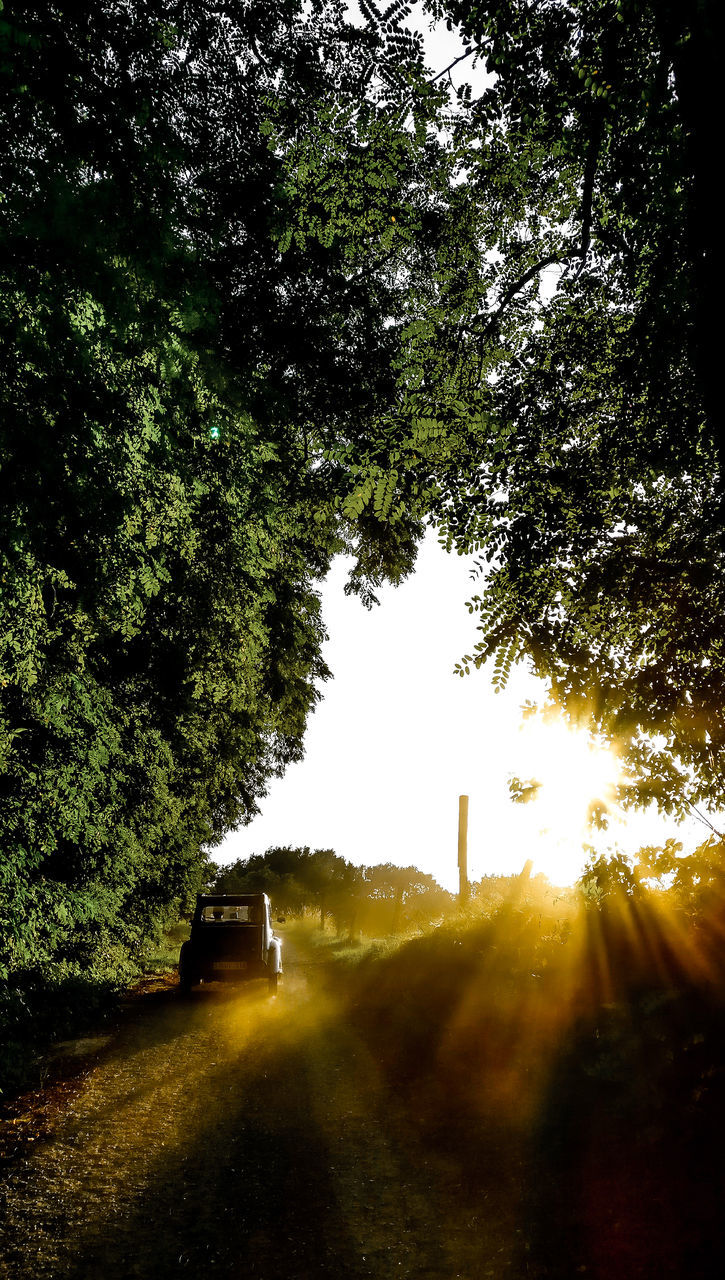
(510, 293)
(258, 55)
(451, 65)
(703, 819)
(590, 169)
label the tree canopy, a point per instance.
(558, 411)
(588, 359)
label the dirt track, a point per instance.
(235, 1135)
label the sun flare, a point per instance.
(569, 777)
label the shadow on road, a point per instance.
(229, 1134)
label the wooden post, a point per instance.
(462, 850)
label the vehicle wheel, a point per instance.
(272, 982)
(186, 977)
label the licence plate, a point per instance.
(229, 964)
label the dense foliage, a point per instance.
(192, 315)
(569, 1065)
(558, 410)
(589, 360)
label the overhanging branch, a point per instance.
(469, 53)
(554, 259)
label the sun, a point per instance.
(567, 775)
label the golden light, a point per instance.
(574, 775)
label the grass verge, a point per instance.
(574, 1070)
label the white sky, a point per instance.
(398, 737)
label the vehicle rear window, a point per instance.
(243, 914)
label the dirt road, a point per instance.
(237, 1135)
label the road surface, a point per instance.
(233, 1135)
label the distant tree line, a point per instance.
(372, 900)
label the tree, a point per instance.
(397, 898)
(558, 406)
(320, 871)
(278, 873)
(589, 363)
(181, 351)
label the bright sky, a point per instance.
(398, 737)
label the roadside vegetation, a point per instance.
(568, 1052)
(571, 1041)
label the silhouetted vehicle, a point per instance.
(232, 940)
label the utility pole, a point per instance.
(462, 850)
